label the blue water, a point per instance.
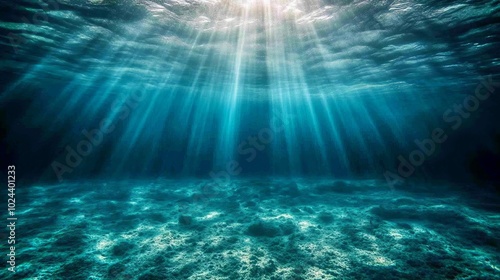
(256, 139)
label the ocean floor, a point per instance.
(252, 229)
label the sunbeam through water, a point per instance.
(251, 139)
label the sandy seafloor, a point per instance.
(253, 229)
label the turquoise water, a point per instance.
(256, 139)
(271, 228)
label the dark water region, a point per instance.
(352, 83)
(252, 139)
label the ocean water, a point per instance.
(250, 139)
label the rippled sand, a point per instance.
(253, 229)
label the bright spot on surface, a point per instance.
(75, 200)
(36, 242)
(129, 236)
(382, 261)
(101, 257)
(373, 258)
(395, 234)
(211, 215)
(368, 236)
(304, 225)
(317, 273)
(281, 216)
(103, 244)
(494, 267)
(250, 3)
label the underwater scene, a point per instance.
(250, 139)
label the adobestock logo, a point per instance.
(250, 148)
(454, 117)
(120, 110)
